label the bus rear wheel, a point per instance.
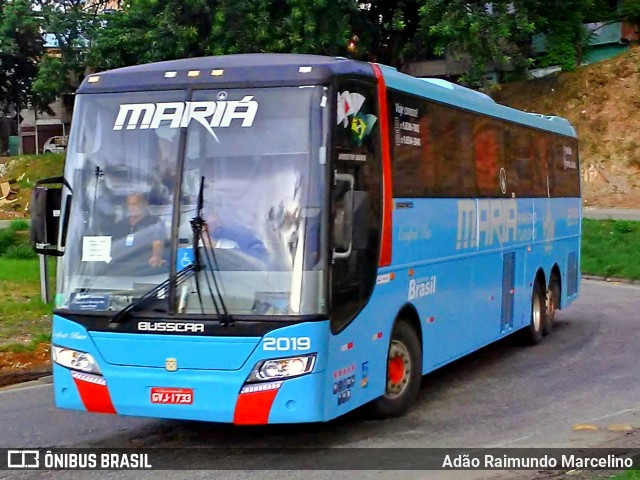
(404, 373)
(532, 335)
(553, 301)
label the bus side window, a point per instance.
(486, 154)
(565, 163)
(413, 174)
(445, 151)
(540, 163)
(463, 158)
(516, 162)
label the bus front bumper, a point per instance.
(216, 396)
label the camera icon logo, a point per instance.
(23, 459)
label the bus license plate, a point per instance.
(174, 396)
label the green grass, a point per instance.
(19, 226)
(628, 475)
(611, 248)
(25, 318)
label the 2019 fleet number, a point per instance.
(287, 343)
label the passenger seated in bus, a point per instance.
(216, 239)
(246, 250)
(138, 239)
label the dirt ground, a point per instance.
(24, 366)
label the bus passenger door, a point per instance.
(355, 200)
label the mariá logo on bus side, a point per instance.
(497, 221)
(209, 114)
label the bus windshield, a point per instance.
(135, 162)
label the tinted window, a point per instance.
(487, 152)
(413, 164)
(564, 172)
(441, 151)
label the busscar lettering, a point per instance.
(209, 114)
(178, 327)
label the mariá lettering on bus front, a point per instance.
(210, 114)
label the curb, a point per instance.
(611, 279)
(13, 380)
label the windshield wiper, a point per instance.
(179, 277)
(199, 228)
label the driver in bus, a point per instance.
(140, 236)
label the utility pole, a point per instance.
(19, 129)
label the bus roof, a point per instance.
(250, 69)
(270, 69)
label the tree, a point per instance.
(73, 24)
(496, 33)
(148, 30)
(386, 32)
(566, 37)
(20, 50)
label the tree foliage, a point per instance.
(496, 33)
(482, 34)
(72, 23)
(20, 49)
(149, 30)
(562, 22)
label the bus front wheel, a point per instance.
(404, 373)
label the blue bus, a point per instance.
(272, 238)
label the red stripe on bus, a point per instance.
(254, 408)
(95, 397)
(387, 198)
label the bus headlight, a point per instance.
(75, 360)
(282, 368)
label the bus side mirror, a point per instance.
(46, 211)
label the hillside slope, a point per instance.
(603, 103)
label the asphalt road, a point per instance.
(586, 372)
(611, 213)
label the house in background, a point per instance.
(36, 128)
(607, 39)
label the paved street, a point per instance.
(611, 213)
(505, 395)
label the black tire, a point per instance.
(401, 394)
(552, 304)
(532, 335)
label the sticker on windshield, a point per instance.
(89, 302)
(96, 249)
(359, 124)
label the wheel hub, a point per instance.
(398, 369)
